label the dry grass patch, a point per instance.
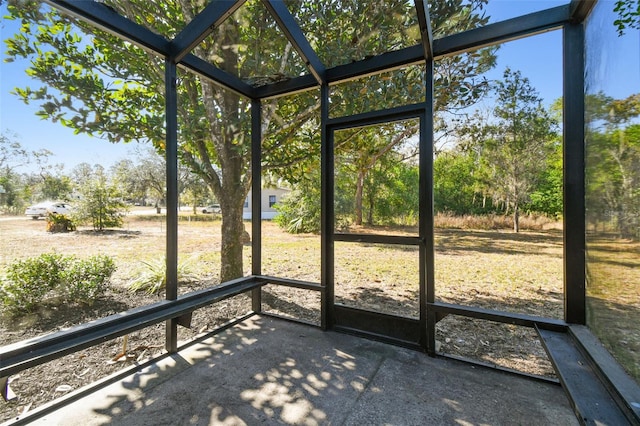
(504, 345)
(613, 300)
(494, 221)
(501, 270)
(378, 277)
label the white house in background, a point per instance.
(270, 197)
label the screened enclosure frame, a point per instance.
(176, 310)
(567, 18)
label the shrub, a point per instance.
(85, 280)
(299, 212)
(30, 282)
(59, 223)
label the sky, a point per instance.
(538, 58)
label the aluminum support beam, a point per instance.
(294, 34)
(286, 88)
(500, 32)
(385, 62)
(499, 316)
(574, 179)
(171, 157)
(580, 9)
(425, 221)
(288, 282)
(326, 213)
(256, 199)
(377, 239)
(377, 117)
(215, 74)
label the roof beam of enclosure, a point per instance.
(211, 72)
(111, 21)
(294, 34)
(286, 87)
(384, 62)
(580, 9)
(507, 30)
(424, 21)
(501, 32)
(203, 24)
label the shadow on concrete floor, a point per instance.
(270, 371)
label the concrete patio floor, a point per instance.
(270, 371)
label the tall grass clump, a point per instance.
(154, 277)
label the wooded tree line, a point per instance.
(613, 164)
(505, 159)
(140, 179)
(501, 161)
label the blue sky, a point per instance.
(33, 133)
(538, 58)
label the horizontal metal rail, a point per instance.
(592, 401)
(497, 316)
(624, 390)
(370, 118)
(287, 282)
(36, 351)
(378, 239)
(502, 32)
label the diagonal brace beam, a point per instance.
(203, 24)
(111, 21)
(294, 34)
(424, 22)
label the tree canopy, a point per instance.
(100, 85)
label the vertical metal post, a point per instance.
(427, 277)
(256, 197)
(574, 180)
(171, 153)
(327, 213)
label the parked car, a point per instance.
(41, 210)
(213, 208)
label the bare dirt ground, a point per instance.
(480, 269)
